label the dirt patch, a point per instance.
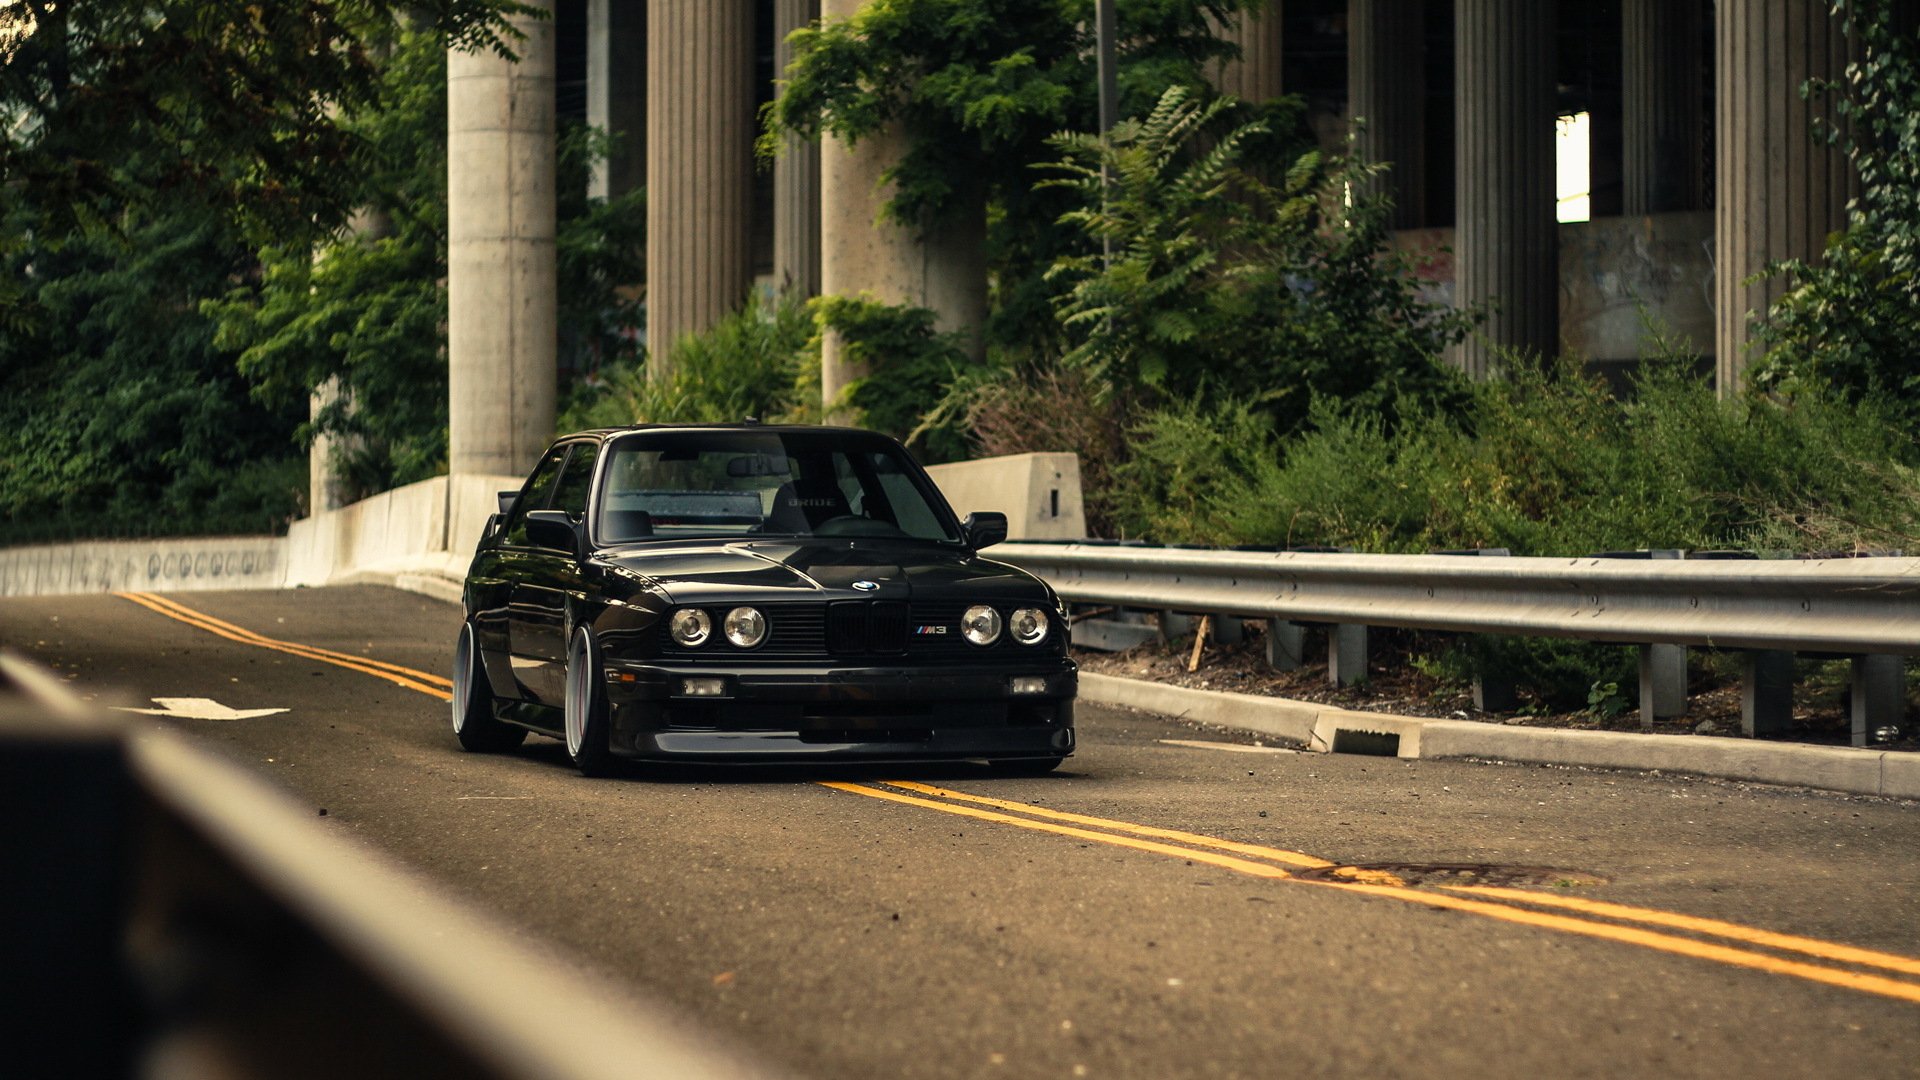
(1400, 681)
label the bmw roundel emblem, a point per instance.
(866, 586)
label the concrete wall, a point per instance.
(428, 531)
(233, 562)
(1039, 493)
(1610, 269)
(429, 527)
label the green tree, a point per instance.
(364, 310)
(1850, 320)
(978, 87)
(1219, 282)
(227, 104)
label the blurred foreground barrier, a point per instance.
(1866, 609)
(167, 914)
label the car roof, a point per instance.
(774, 429)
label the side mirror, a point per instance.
(553, 529)
(507, 499)
(984, 528)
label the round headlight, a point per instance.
(745, 627)
(981, 625)
(1028, 626)
(691, 627)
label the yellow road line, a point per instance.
(1667, 943)
(1259, 851)
(182, 609)
(412, 680)
(1228, 862)
(1826, 950)
(1042, 819)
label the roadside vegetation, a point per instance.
(1223, 332)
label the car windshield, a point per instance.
(664, 485)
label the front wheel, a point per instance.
(474, 723)
(586, 708)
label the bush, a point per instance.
(754, 363)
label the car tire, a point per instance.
(474, 722)
(586, 708)
(1026, 766)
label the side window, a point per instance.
(534, 496)
(576, 481)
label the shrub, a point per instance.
(751, 363)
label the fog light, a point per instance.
(1029, 684)
(702, 687)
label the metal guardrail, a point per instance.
(1864, 608)
(1844, 606)
(166, 913)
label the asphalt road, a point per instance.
(1153, 910)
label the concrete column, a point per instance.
(943, 268)
(1386, 90)
(1255, 76)
(617, 93)
(796, 175)
(700, 131)
(324, 490)
(1779, 192)
(502, 338)
(1506, 234)
(1662, 160)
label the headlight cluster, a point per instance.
(982, 625)
(745, 627)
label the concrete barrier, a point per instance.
(1039, 493)
(175, 565)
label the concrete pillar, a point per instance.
(1386, 92)
(1662, 159)
(324, 488)
(502, 339)
(617, 93)
(1506, 234)
(796, 175)
(700, 130)
(1779, 192)
(1255, 76)
(943, 268)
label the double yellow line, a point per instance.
(1566, 914)
(379, 669)
(1595, 919)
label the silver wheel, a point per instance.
(578, 689)
(474, 721)
(585, 709)
(462, 678)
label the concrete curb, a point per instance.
(1325, 728)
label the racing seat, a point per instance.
(798, 507)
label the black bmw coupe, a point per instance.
(755, 593)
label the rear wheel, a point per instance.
(586, 708)
(473, 721)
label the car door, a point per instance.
(505, 567)
(537, 622)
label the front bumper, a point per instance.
(854, 713)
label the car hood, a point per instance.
(822, 569)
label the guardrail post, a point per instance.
(1174, 626)
(1346, 654)
(1663, 683)
(1494, 695)
(1879, 695)
(1286, 645)
(1227, 630)
(1766, 691)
